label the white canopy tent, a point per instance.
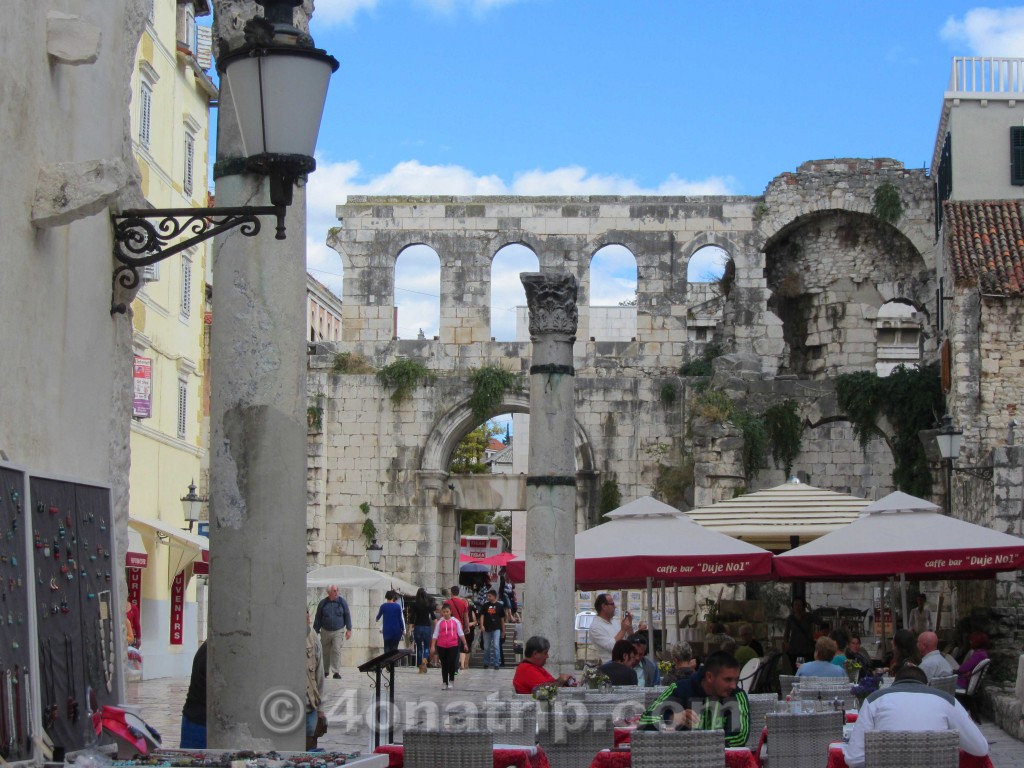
(356, 577)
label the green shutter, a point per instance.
(1017, 155)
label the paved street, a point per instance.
(419, 699)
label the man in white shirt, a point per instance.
(920, 618)
(933, 663)
(909, 704)
(604, 632)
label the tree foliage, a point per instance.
(468, 458)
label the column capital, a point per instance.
(552, 302)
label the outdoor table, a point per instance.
(622, 735)
(505, 755)
(735, 757)
(837, 760)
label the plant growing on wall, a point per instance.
(669, 394)
(369, 530)
(315, 414)
(402, 377)
(785, 433)
(909, 399)
(609, 497)
(490, 384)
(886, 203)
(702, 365)
(351, 362)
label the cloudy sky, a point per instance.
(529, 97)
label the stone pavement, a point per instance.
(419, 699)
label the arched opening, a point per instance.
(613, 294)
(508, 297)
(417, 298)
(897, 336)
(707, 265)
(706, 290)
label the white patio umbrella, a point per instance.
(356, 577)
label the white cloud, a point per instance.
(333, 182)
(341, 11)
(988, 31)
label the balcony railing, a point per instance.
(978, 74)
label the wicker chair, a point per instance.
(570, 742)
(431, 748)
(760, 705)
(801, 741)
(912, 749)
(509, 722)
(678, 749)
(828, 692)
(786, 683)
(945, 683)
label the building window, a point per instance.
(186, 286)
(182, 407)
(190, 159)
(145, 112)
(1017, 155)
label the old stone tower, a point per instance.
(821, 286)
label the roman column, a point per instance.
(551, 483)
(256, 688)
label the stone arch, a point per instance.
(609, 321)
(420, 306)
(455, 422)
(719, 239)
(500, 322)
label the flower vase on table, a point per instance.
(852, 670)
(545, 696)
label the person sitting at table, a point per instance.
(933, 663)
(748, 647)
(979, 651)
(620, 670)
(647, 674)
(904, 650)
(909, 704)
(842, 639)
(822, 666)
(712, 703)
(530, 673)
(683, 663)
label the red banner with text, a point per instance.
(178, 609)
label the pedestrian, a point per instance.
(133, 625)
(423, 618)
(446, 641)
(314, 687)
(393, 624)
(332, 618)
(798, 635)
(464, 612)
(492, 624)
(193, 714)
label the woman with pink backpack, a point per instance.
(447, 640)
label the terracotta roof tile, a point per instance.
(985, 243)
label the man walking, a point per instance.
(492, 623)
(332, 616)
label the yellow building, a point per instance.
(170, 111)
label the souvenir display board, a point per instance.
(17, 671)
(60, 615)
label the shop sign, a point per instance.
(178, 609)
(142, 379)
(134, 578)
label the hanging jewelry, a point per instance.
(50, 709)
(69, 656)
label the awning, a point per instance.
(184, 548)
(136, 556)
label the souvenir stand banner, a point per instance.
(60, 616)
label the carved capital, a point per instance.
(552, 302)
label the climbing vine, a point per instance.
(716, 406)
(609, 497)
(886, 203)
(351, 362)
(702, 365)
(490, 384)
(402, 377)
(909, 399)
(369, 530)
(785, 433)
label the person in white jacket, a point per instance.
(909, 704)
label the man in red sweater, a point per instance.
(530, 673)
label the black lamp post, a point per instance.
(278, 83)
(191, 504)
(374, 552)
(949, 439)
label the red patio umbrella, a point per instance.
(499, 560)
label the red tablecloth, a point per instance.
(622, 735)
(503, 758)
(836, 760)
(734, 758)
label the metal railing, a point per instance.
(983, 74)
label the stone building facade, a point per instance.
(813, 266)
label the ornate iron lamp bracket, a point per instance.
(144, 236)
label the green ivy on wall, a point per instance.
(785, 433)
(910, 399)
(402, 377)
(490, 384)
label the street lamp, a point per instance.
(373, 553)
(949, 439)
(278, 83)
(191, 504)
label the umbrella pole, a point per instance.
(903, 599)
(675, 600)
(650, 614)
(881, 614)
(664, 618)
